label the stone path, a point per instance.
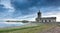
(53, 30)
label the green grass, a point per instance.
(30, 29)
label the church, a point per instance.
(44, 19)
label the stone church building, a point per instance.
(44, 19)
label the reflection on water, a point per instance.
(9, 24)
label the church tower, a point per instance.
(39, 14)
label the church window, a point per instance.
(42, 20)
(49, 20)
(45, 20)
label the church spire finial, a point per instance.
(39, 11)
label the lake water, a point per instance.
(10, 24)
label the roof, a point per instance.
(48, 18)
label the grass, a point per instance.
(30, 29)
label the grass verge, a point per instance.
(31, 29)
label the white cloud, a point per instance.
(7, 5)
(8, 9)
(28, 17)
(33, 16)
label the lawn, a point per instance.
(29, 29)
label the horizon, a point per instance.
(27, 9)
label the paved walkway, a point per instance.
(53, 30)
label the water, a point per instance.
(10, 24)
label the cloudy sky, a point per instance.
(27, 9)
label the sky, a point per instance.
(27, 9)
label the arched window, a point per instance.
(45, 20)
(49, 20)
(42, 20)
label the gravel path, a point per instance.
(53, 30)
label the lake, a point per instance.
(11, 24)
